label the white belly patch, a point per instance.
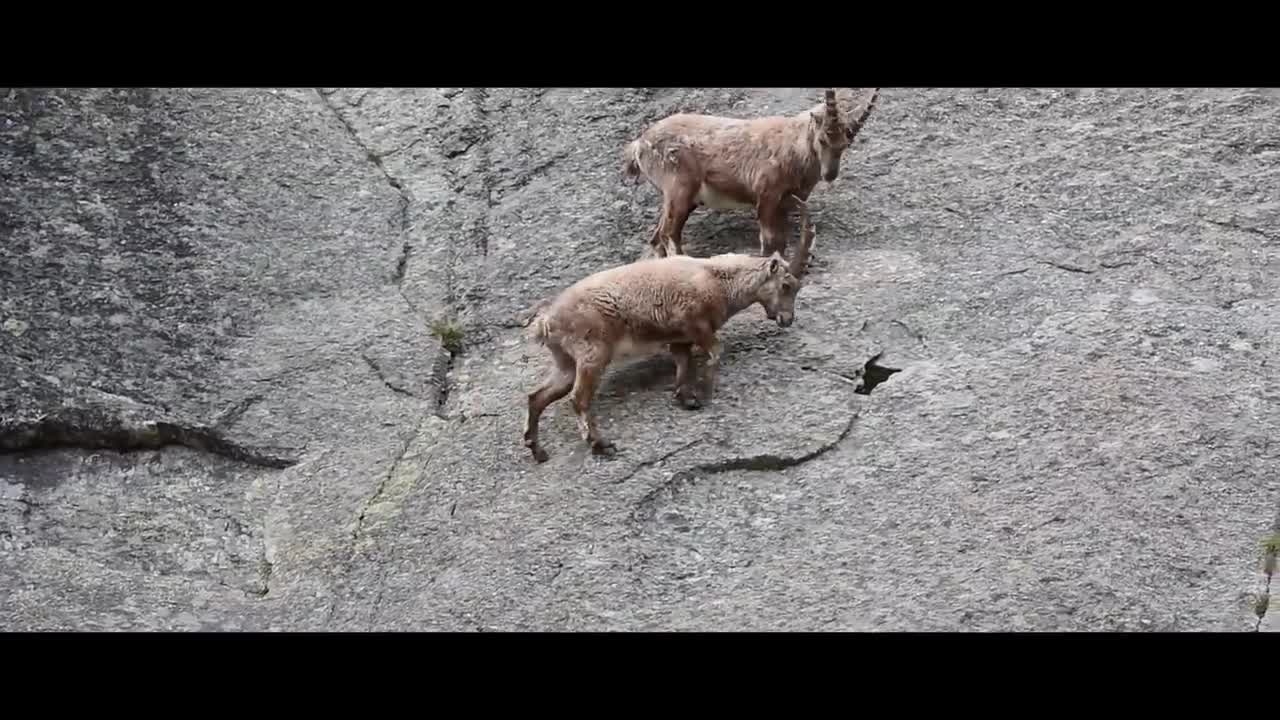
(628, 348)
(712, 198)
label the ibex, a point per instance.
(731, 163)
(677, 301)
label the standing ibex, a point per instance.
(677, 301)
(731, 163)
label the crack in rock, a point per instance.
(402, 262)
(265, 568)
(440, 376)
(1245, 228)
(27, 504)
(555, 571)
(916, 334)
(770, 461)
(485, 131)
(92, 429)
(1066, 266)
(644, 507)
(1229, 304)
(766, 462)
(406, 247)
(382, 487)
(1270, 556)
(377, 370)
(459, 152)
(1113, 264)
(460, 175)
(401, 149)
(872, 375)
(228, 417)
(655, 461)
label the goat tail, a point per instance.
(540, 329)
(631, 169)
(540, 324)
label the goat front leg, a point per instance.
(708, 341)
(584, 388)
(686, 397)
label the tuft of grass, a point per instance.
(1270, 551)
(449, 333)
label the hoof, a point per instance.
(688, 401)
(603, 447)
(540, 455)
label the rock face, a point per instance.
(227, 403)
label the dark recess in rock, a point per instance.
(440, 373)
(97, 431)
(874, 373)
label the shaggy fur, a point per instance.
(638, 308)
(723, 163)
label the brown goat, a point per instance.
(677, 302)
(730, 163)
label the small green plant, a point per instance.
(450, 334)
(1270, 551)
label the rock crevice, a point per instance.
(99, 430)
(406, 248)
(1270, 559)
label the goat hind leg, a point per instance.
(656, 245)
(555, 387)
(659, 227)
(679, 204)
(773, 226)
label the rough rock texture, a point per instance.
(224, 406)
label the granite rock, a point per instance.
(1030, 385)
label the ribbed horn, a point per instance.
(799, 263)
(856, 125)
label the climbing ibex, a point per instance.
(730, 163)
(677, 301)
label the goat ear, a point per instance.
(817, 116)
(774, 262)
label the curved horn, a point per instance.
(799, 263)
(832, 111)
(856, 125)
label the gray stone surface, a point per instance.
(224, 406)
